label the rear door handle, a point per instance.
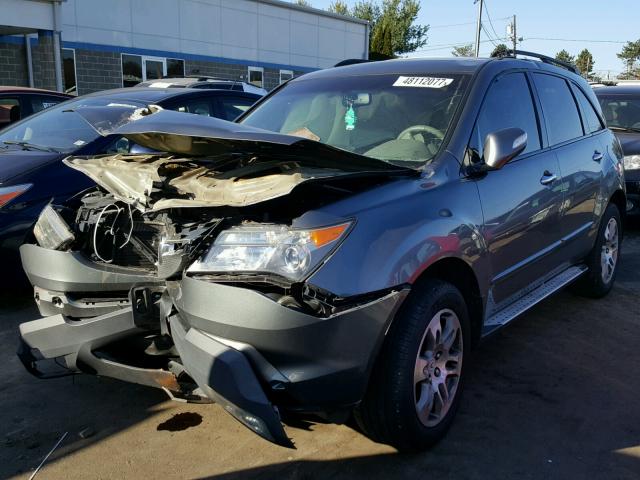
(548, 178)
(597, 156)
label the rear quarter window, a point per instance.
(590, 117)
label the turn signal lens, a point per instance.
(9, 193)
(323, 236)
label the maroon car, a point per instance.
(20, 102)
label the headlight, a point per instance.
(632, 162)
(51, 231)
(274, 249)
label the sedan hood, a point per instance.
(14, 163)
(211, 162)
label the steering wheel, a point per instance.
(411, 132)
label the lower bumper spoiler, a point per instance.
(225, 376)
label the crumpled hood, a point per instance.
(211, 162)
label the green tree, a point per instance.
(565, 57)
(584, 62)
(392, 26)
(303, 3)
(463, 51)
(501, 50)
(630, 55)
(339, 7)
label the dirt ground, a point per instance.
(554, 395)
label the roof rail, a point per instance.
(546, 59)
(350, 61)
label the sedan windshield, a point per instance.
(68, 126)
(621, 111)
(394, 118)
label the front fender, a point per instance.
(393, 242)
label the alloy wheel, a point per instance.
(609, 253)
(438, 367)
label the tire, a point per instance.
(389, 410)
(595, 283)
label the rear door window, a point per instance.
(40, 102)
(559, 108)
(590, 117)
(508, 104)
(232, 107)
(9, 110)
(197, 106)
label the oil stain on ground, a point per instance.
(181, 421)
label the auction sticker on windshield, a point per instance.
(422, 82)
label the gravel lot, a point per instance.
(554, 395)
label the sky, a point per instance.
(601, 26)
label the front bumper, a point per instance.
(242, 349)
(632, 185)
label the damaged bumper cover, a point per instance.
(243, 350)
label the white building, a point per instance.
(113, 43)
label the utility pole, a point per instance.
(478, 26)
(514, 38)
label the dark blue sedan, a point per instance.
(31, 171)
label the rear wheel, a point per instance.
(604, 258)
(415, 388)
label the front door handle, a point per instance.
(597, 156)
(548, 178)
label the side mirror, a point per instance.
(503, 146)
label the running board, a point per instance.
(520, 306)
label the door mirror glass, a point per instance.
(502, 146)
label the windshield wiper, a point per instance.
(30, 146)
(624, 129)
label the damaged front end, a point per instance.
(185, 270)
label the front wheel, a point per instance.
(604, 258)
(415, 388)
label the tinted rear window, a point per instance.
(559, 108)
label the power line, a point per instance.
(574, 40)
(461, 24)
(486, 7)
(444, 46)
(488, 36)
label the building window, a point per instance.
(140, 68)
(175, 67)
(255, 76)
(131, 70)
(285, 75)
(69, 70)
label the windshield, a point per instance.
(621, 111)
(398, 119)
(70, 125)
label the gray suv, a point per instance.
(340, 249)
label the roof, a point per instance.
(404, 66)
(313, 11)
(143, 94)
(618, 90)
(10, 89)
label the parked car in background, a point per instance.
(621, 107)
(31, 171)
(340, 249)
(205, 83)
(17, 103)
